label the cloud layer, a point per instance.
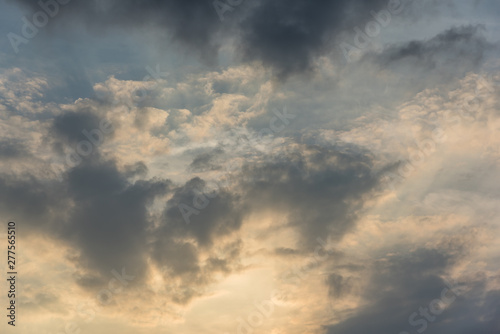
(346, 199)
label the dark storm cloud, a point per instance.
(180, 260)
(459, 48)
(403, 284)
(69, 126)
(320, 189)
(109, 221)
(222, 215)
(105, 217)
(100, 211)
(111, 227)
(95, 208)
(178, 257)
(177, 245)
(286, 36)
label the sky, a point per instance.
(251, 166)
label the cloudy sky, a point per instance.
(251, 166)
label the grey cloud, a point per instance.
(105, 217)
(222, 216)
(180, 261)
(377, 85)
(178, 257)
(403, 283)
(461, 48)
(176, 246)
(95, 209)
(286, 36)
(321, 189)
(110, 221)
(70, 125)
(109, 224)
